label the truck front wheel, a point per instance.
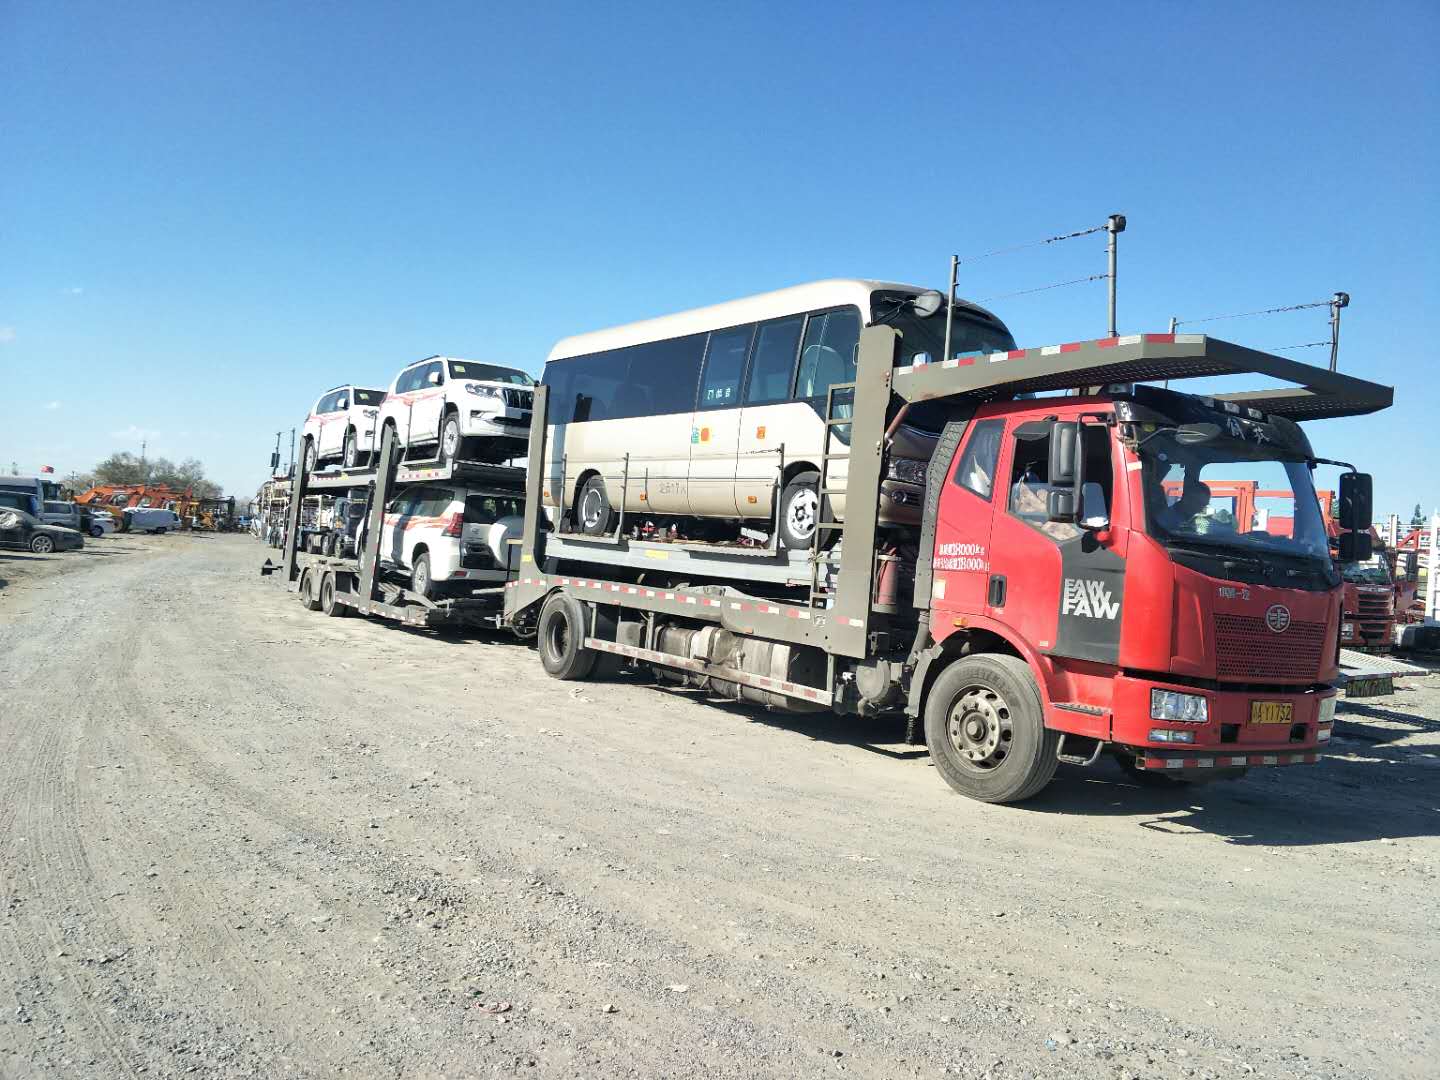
(561, 634)
(985, 728)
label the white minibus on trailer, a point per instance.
(708, 413)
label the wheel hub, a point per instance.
(800, 514)
(452, 439)
(980, 728)
(590, 509)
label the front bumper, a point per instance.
(492, 422)
(1231, 731)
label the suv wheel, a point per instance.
(450, 439)
(351, 458)
(41, 544)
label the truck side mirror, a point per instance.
(1356, 503)
(1356, 546)
(1094, 514)
(1064, 452)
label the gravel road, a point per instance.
(241, 839)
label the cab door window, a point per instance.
(976, 471)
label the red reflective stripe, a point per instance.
(1107, 342)
(1161, 339)
(1074, 346)
(1015, 354)
(965, 361)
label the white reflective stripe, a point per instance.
(1205, 763)
(1189, 339)
(1050, 350)
(996, 357)
(1270, 759)
(1130, 339)
(1134, 466)
(1238, 760)
(1174, 763)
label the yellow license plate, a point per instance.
(1271, 712)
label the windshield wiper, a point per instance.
(1231, 557)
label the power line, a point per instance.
(1307, 345)
(1247, 314)
(1044, 288)
(1035, 243)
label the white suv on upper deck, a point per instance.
(342, 427)
(460, 408)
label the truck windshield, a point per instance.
(489, 373)
(1231, 494)
(1373, 572)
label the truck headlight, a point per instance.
(906, 470)
(1327, 710)
(481, 391)
(1178, 708)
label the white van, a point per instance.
(461, 409)
(150, 520)
(341, 428)
(706, 413)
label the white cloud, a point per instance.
(74, 290)
(52, 405)
(135, 434)
(7, 334)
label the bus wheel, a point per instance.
(593, 512)
(800, 511)
(986, 730)
(308, 593)
(561, 634)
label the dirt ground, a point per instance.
(241, 839)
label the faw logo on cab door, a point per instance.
(1088, 599)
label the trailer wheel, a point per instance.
(561, 633)
(328, 603)
(309, 595)
(986, 731)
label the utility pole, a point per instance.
(1113, 228)
(292, 453)
(1338, 301)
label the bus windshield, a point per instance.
(1233, 494)
(923, 340)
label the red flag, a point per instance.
(47, 468)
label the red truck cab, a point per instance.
(1079, 534)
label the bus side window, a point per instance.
(772, 364)
(828, 355)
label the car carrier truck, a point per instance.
(1056, 603)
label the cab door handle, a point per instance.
(997, 590)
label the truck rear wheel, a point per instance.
(328, 604)
(309, 595)
(985, 728)
(561, 638)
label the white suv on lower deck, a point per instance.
(460, 408)
(342, 427)
(449, 539)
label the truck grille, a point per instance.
(519, 399)
(1246, 649)
(1374, 605)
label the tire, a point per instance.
(800, 511)
(328, 604)
(986, 730)
(449, 439)
(96, 531)
(594, 516)
(350, 456)
(309, 595)
(311, 459)
(41, 544)
(561, 637)
(420, 579)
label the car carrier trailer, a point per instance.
(1011, 651)
(337, 585)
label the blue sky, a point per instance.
(211, 213)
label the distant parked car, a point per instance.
(341, 428)
(21, 529)
(461, 409)
(102, 524)
(151, 520)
